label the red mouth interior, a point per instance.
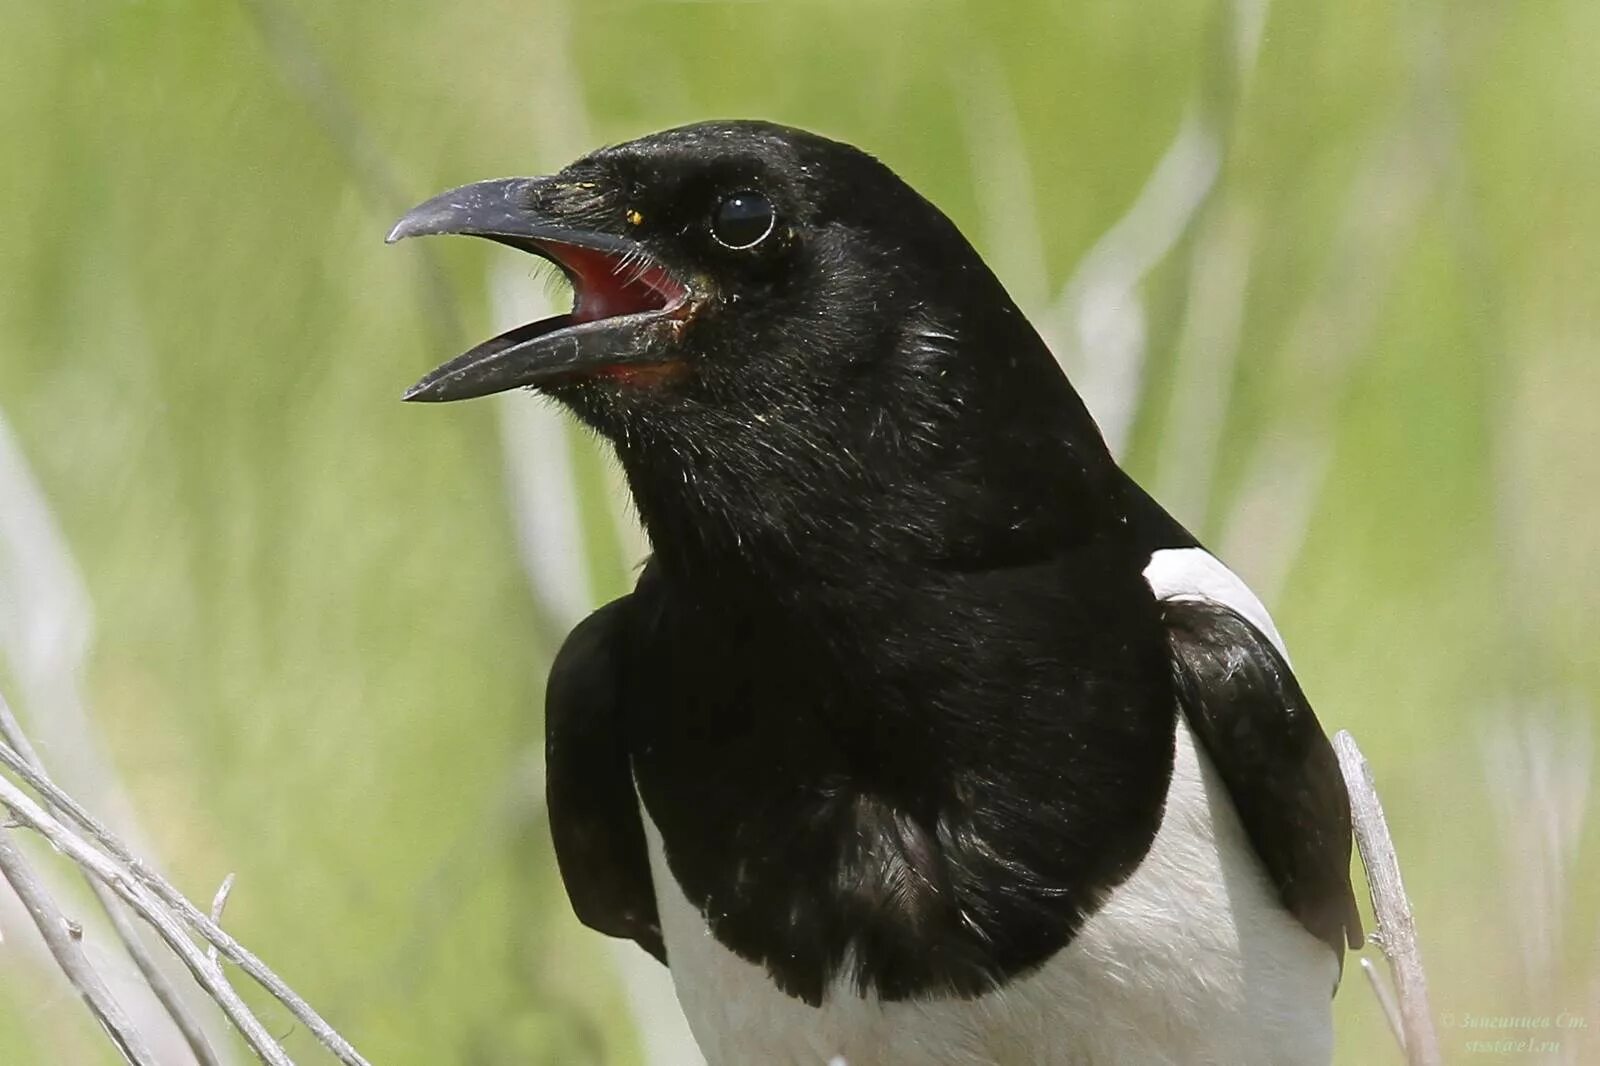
(607, 285)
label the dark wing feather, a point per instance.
(1243, 702)
(594, 811)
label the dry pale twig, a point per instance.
(145, 904)
(45, 627)
(151, 897)
(66, 946)
(218, 902)
(1397, 930)
(187, 1024)
(1385, 995)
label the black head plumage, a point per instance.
(794, 353)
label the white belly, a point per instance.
(1191, 960)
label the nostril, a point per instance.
(532, 195)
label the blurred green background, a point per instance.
(1328, 272)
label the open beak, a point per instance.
(627, 311)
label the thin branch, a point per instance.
(167, 896)
(45, 628)
(65, 943)
(188, 1025)
(218, 902)
(167, 993)
(1385, 996)
(120, 879)
(1397, 930)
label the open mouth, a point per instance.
(627, 313)
(606, 285)
(622, 288)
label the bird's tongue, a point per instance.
(607, 286)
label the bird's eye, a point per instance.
(743, 220)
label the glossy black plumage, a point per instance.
(893, 686)
(1244, 704)
(594, 817)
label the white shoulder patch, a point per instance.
(1196, 574)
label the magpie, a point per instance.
(926, 736)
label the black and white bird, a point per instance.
(926, 737)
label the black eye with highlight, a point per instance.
(743, 220)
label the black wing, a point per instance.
(1243, 702)
(594, 811)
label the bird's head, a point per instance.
(773, 327)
